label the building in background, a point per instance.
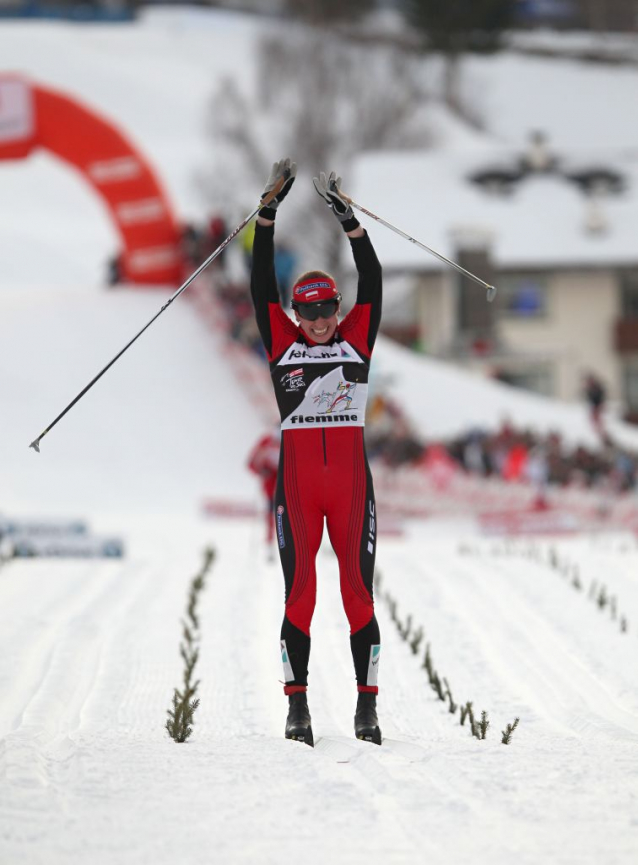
(556, 233)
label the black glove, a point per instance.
(328, 189)
(286, 169)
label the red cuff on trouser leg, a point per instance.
(294, 689)
(367, 689)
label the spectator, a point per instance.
(247, 238)
(595, 394)
(216, 234)
(191, 245)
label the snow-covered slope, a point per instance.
(168, 424)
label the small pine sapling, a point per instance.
(180, 717)
(473, 723)
(448, 693)
(404, 630)
(438, 687)
(484, 724)
(427, 662)
(475, 727)
(416, 640)
(507, 732)
(392, 605)
(465, 711)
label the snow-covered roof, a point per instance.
(540, 223)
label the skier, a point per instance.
(323, 468)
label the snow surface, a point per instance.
(88, 670)
(89, 650)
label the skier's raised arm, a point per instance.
(361, 324)
(271, 319)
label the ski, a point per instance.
(339, 751)
(344, 750)
(408, 750)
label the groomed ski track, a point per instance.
(89, 658)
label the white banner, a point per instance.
(16, 111)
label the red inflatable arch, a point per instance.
(32, 116)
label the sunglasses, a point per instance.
(313, 311)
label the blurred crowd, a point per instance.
(512, 454)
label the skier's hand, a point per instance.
(286, 170)
(328, 189)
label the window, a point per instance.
(629, 293)
(522, 295)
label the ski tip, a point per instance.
(35, 445)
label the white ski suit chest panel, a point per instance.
(321, 386)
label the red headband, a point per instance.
(315, 290)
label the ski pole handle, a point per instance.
(265, 201)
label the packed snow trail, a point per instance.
(91, 653)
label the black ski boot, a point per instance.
(366, 723)
(298, 721)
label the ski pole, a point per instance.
(35, 444)
(491, 289)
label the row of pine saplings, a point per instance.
(439, 684)
(569, 570)
(179, 724)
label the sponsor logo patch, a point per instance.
(293, 380)
(280, 527)
(323, 418)
(311, 287)
(372, 525)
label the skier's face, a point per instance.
(322, 330)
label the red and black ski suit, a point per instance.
(321, 391)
